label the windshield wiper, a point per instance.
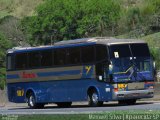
(136, 70)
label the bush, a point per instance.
(2, 84)
(4, 45)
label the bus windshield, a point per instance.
(127, 58)
(133, 50)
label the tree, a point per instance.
(10, 27)
(4, 45)
(70, 19)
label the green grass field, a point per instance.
(115, 115)
(153, 39)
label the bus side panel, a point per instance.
(58, 91)
(48, 92)
(63, 90)
(16, 92)
(105, 91)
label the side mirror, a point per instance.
(154, 65)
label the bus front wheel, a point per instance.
(32, 102)
(93, 99)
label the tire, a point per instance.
(93, 99)
(32, 102)
(131, 102)
(40, 105)
(127, 102)
(64, 104)
(122, 102)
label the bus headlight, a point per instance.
(110, 67)
(107, 89)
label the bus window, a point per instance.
(46, 58)
(120, 51)
(73, 56)
(59, 56)
(88, 54)
(9, 62)
(140, 50)
(101, 52)
(21, 61)
(34, 59)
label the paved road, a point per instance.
(76, 109)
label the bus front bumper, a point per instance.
(133, 94)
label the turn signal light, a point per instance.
(151, 87)
(149, 82)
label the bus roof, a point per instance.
(100, 40)
(80, 42)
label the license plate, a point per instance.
(135, 94)
(136, 86)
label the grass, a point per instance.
(153, 39)
(3, 14)
(18, 8)
(115, 115)
(54, 117)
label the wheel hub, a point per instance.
(95, 98)
(31, 101)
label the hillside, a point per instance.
(18, 8)
(153, 40)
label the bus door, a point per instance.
(104, 78)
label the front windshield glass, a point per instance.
(120, 51)
(125, 56)
(130, 62)
(140, 50)
(120, 57)
(124, 65)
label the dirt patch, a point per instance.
(157, 92)
(3, 98)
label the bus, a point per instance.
(95, 70)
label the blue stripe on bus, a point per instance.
(15, 76)
(61, 73)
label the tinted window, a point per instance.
(59, 56)
(140, 50)
(21, 61)
(101, 52)
(119, 51)
(73, 56)
(9, 62)
(88, 54)
(46, 58)
(34, 59)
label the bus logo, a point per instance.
(88, 68)
(28, 75)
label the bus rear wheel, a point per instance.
(93, 99)
(64, 104)
(32, 102)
